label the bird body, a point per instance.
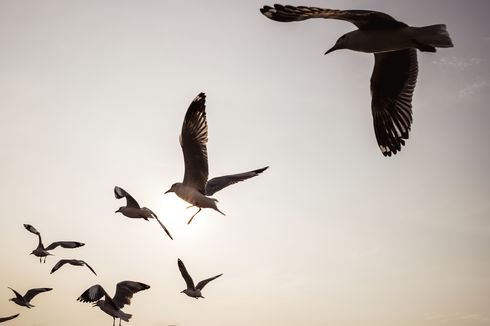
(25, 300)
(394, 45)
(109, 309)
(196, 188)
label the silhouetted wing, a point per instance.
(193, 140)
(33, 292)
(392, 85)
(74, 262)
(163, 227)
(17, 294)
(59, 264)
(216, 184)
(94, 293)
(125, 291)
(130, 201)
(203, 283)
(65, 244)
(2, 319)
(363, 19)
(187, 278)
(89, 267)
(31, 229)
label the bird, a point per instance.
(74, 262)
(191, 290)
(26, 299)
(394, 45)
(195, 188)
(133, 209)
(113, 306)
(41, 251)
(3, 319)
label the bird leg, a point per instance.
(194, 215)
(119, 321)
(113, 321)
(41, 259)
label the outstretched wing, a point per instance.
(392, 85)
(193, 140)
(65, 244)
(363, 19)
(187, 278)
(89, 267)
(17, 294)
(94, 293)
(74, 262)
(2, 319)
(203, 283)
(59, 264)
(125, 291)
(216, 184)
(130, 201)
(31, 229)
(33, 292)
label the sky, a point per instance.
(93, 95)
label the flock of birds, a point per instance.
(394, 46)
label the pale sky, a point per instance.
(93, 94)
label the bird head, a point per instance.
(119, 210)
(173, 188)
(340, 44)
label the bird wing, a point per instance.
(130, 201)
(392, 85)
(89, 267)
(193, 139)
(187, 278)
(94, 293)
(363, 19)
(2, 319)
(65, 244)
(59, 264)
(160, 222)
(33, 292)
(32, 229)
(75, 262)
(17, 294)
(125, 291)
(203, 283)
(216, 184)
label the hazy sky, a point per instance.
(93, 94)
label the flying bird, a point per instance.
(133, 209)
(41, 251)
(195, 188)
(193, 291)
(26, 299)
(113, 306)
(3, 319)
(74, 262)
(394, 45)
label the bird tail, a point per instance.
(434, 35)
(124, 316)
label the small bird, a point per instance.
(133, 209)
(74, 262)
(3, 319)
(26, 299)
(113, 306)
(394, 45)
(193, 291)
(41, 252)
(195, 187)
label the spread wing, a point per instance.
(216, 184)
(363, 19)
(33, 292)
(187, 278)
(95, 293)
(65, 244)
(392, 85)
(125, 291)
(2, 319)
(203, 283)
(193, 140)
(74, 262)
(17, 294)
(31, 229)
(130, 201)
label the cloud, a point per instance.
(471, 89)
(456, 63)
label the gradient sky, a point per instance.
(93, 94)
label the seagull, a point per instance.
(133, 209)
(74, 262)
(196, 187)
(193, 291)
(41, 252)
(26, 299)
(113, 306)
(2, 319)
(394, 45)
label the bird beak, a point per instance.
(166, 192)
(332, 49)
(118, 210)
